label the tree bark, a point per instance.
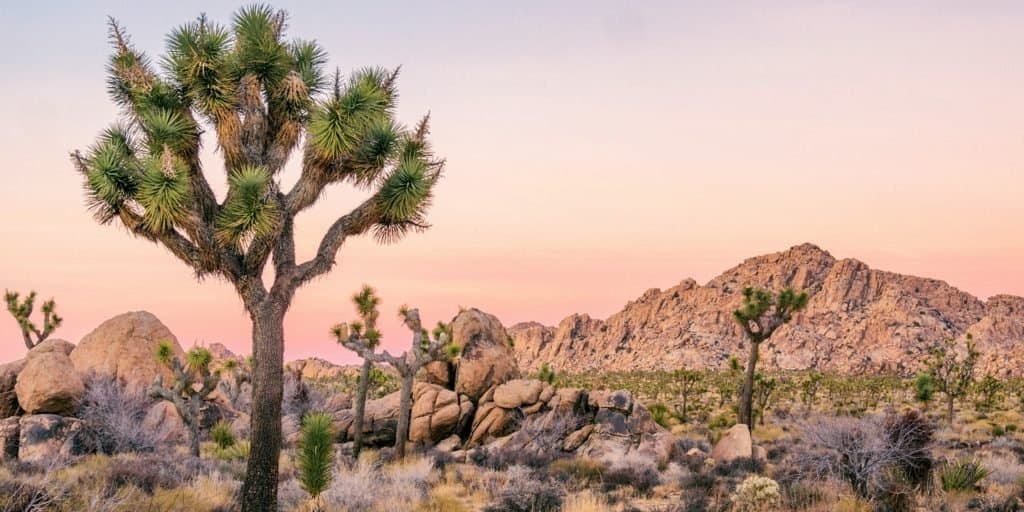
(259, 492)
(404, 414)
(746, 398)
(360, 406)
(193, 425)
(949, 408)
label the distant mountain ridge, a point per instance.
(858, 320)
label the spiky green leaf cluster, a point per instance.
(164, 192)
(250, 210)
(340, 125)
(199, 358)
(164, 351)
(199, 59)
(315, 453)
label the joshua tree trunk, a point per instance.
(404, 414)
(360, 406)
(746, 397)
(260, 488)
(949, 408)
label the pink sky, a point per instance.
(592, 154)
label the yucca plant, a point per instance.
(192, 386)
(263, 95)
(760, 315)
(426, 347)
(222, 435)
(962, 475)
(315, 454)
(21, 310)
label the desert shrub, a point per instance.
(112, 413)
(1005, 469)
(739, 467)
(316, 453)
(222, 435)
(440, 459)
(367, 485)
(661, 414)
(580, 469)
(756, 493)
(962, 475)
(637, 472)
(523, 492)
(237, 451)
(799, 495)
(18, 495)
(998, 431)
(861, 451)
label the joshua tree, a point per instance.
(688, 381)
(764, 390)
(193, 383)
(426, 347)
(924, 389)
(952, 374)
(809, 389)
(240, 374)
(262, 95)
(22, 310)
(988, 390)
(547, 373)
(366, 305)
(759, 317)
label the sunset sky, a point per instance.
(595, 149)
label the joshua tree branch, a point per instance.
(356, 222)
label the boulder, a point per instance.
(49, 384)
(735, 443)
(8, 396)
(620, 400)
(52, 345)
(487, 358)
(492, 421)
(573, 400)
(437, 372)
(45, 437)
(437, 413)
(163, 420)
(518, 393)
(576, 439)
(379, 422)
(759, 453)
(124, 347)
(10, 429)
(449, 444)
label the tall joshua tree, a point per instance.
(193, 383)
(366, 305)
(760, 315)
(426, 347)
(21, 310)
(263, 96)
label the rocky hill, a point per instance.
(858, 320)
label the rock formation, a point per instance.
(858, 320)
(125, 347)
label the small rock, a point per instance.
(734, 444)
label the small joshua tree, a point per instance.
(546, 373)
(764, 391)
(22, 310)
(988, 390)
(426, 347)
(316, 455)
(193, 383)
(239, 373)
(809, 388)
(688, 382)
(924, 389)
(761, 314)
(366, 302)
(953, 374)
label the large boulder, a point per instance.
(53, 345)
(10, 429)
(437, 413)
(438, 372)
(48, 383)
(487, 358)
(492, 421)
(44, 437)
(735, 443)
(125, 347)
(8, 396)
(519, 393)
